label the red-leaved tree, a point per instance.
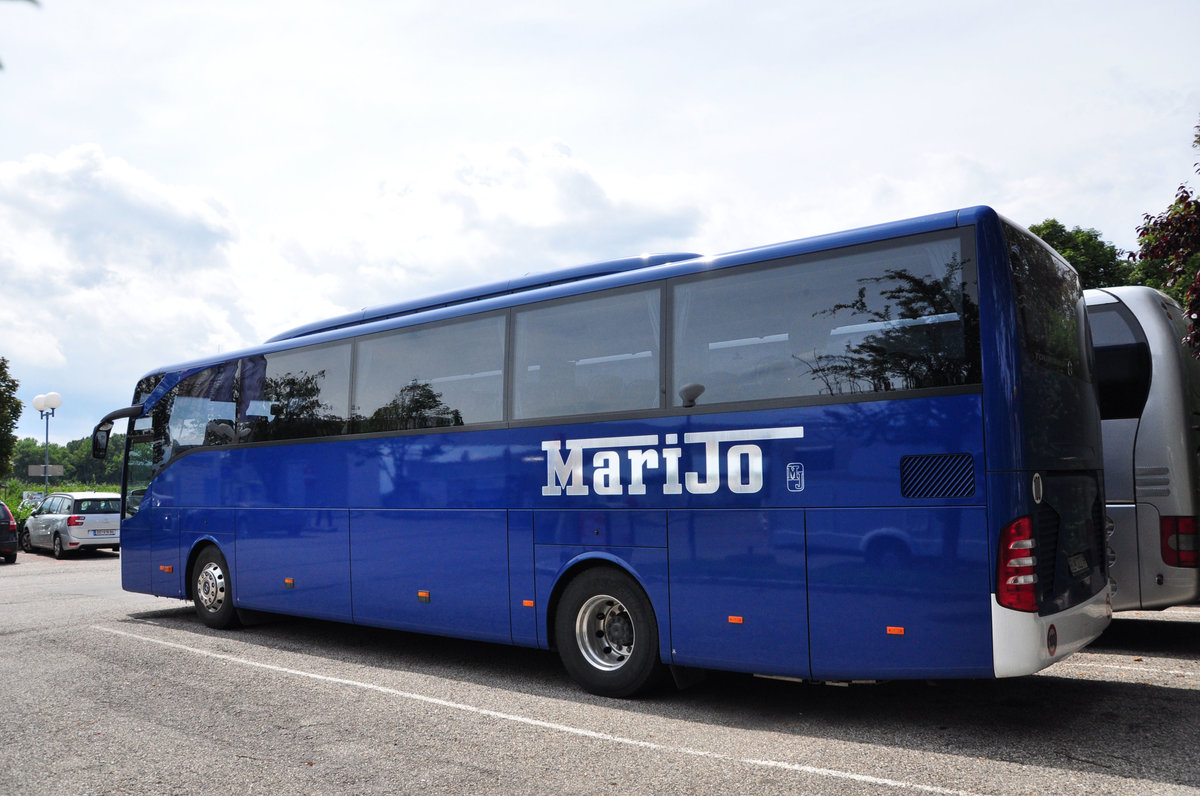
(1170, 244)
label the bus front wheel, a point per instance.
(212, 590)
(607, 635)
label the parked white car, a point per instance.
(66, 522)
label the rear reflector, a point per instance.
(1016, 576)
(1179, 541)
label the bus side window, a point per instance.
(611, 367)
(1122, 361)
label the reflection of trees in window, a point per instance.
(917, 333)
(1050, 302)
(1056, 388)
(296, 406)
(415, 406)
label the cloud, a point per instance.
(98, 252)
(117, 272)
(472, 217)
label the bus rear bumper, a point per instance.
(1023, 643)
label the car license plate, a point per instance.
(102, 532)
(1078, 564)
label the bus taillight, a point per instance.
(1016, 578)
(1179, 541)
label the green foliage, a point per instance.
(1169, 250)
(75, 458)
(10, 412)
(1159, 275)
(1098, 262)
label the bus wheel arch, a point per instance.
(605, 630)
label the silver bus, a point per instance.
(1149, 387)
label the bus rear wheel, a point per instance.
(212, 590)
(607, 635)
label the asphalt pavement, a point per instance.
(104, 691)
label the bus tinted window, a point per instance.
(202, 408)
(426, 377)
(295, 394)
(198, 411)
(596, 354)
(1054, 345)
(1122, 361)
(873, 320)
(1050, 303)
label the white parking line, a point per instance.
(563, 728)
(1121, 668)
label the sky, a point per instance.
(184, 179)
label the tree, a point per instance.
(75, 458)
(1099, 263)
(1169, 250)
(10, 412)
(415, 406)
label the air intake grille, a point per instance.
(945, 475)
(1048, 524)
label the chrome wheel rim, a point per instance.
(604, 632)
(210, 587)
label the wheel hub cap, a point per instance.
(210, 587)
(605, 632)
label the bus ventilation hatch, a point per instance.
(943, 475)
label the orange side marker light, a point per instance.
(527, 603)
(735, 620)
(895, 631)
(166, 569)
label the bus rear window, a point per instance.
(1122, 361)
(1059, 400)
(1050, 303)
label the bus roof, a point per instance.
(467, 295)
(579, 279)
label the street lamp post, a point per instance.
(46, 404)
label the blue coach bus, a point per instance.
(867, 455)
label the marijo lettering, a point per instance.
(621, 465)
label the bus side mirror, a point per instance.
(102, 430)
(100, 440)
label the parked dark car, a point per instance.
(8, 535)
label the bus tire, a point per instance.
(212, 590)
(607, 635)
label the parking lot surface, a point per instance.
(103, 691)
